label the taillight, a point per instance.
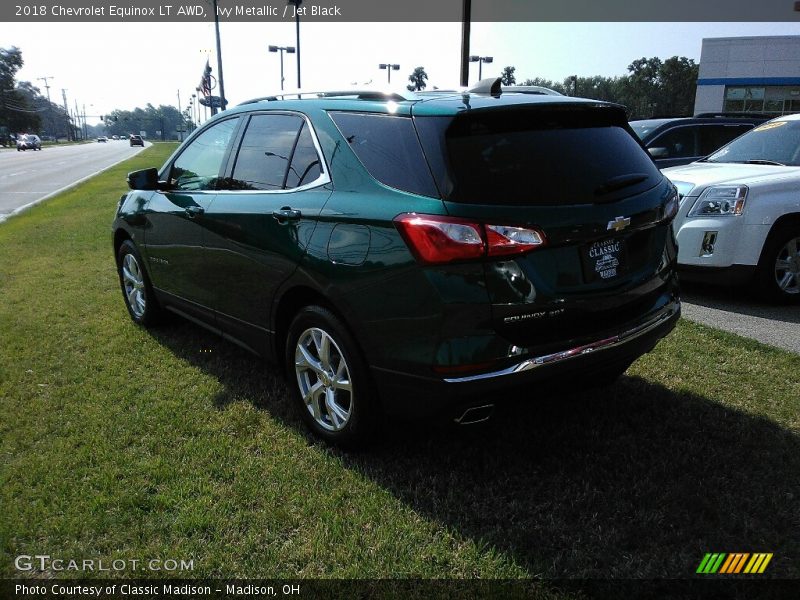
(435, 239)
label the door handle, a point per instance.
(286, 213)
(193, 211)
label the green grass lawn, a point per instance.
(120, 443)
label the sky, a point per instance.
(107, 66)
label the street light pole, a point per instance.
(297, 4)
(389, 68)
(480, 60)
(466, 24)
(281, 49)
(219, 60)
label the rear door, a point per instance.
(258, 226)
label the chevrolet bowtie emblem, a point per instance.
(619, 223)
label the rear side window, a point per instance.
(388, 147)
(553, 156)
(679, 142)
(265, 152)
(305, 167)
(714, 137)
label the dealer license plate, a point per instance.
(604, 260)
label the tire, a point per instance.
(334, 395)
(778, 272)
(137, 292)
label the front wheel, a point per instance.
(778, 273)
(329, 379)
(136, 288)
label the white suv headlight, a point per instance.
(720, 201)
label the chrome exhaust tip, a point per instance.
(476, 414)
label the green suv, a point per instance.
(409, 256)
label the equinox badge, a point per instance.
(618, 224)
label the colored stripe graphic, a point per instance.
(734, 563)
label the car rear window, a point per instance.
(388, 147)
(539, 156)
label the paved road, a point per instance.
(733, 310)
(30, 177)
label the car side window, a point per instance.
(714, 137)
(679, 142)
(389, 149)
(198, 166)
(306, 166)
(265, 153)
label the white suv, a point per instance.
(739, 218)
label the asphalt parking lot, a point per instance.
(734, 310)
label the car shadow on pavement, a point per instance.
(737, 300)
(630, 481)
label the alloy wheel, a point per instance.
(324, 379)
(133, 281)
(787, 267)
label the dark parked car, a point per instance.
(409, 256)
(682, 140)
(136, 140)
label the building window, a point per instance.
(744, 99)
(772, 100)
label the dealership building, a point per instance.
(749, 74)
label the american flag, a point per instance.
(205, 80)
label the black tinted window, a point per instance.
(265, 152)
(305, 161)
(536, 157)
(388, 148)
(714, 137)
(198, 166)
(679, 143)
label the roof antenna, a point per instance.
(490, 85)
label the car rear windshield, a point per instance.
(535, 156)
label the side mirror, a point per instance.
(659, 152)
(145, 180)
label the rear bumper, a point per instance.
(413, 396)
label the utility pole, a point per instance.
(78, 117)
(49, 104)
(85, 131)
(66, 114)
(180, 133)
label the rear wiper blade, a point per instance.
(618, 183)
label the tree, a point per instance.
(417, 79)
(651, 87)
(507, 77)
(17, 112)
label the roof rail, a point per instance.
(738, 115)
(358, 93)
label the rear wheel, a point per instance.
(329, 379)
(136, 288)
(778, 273)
